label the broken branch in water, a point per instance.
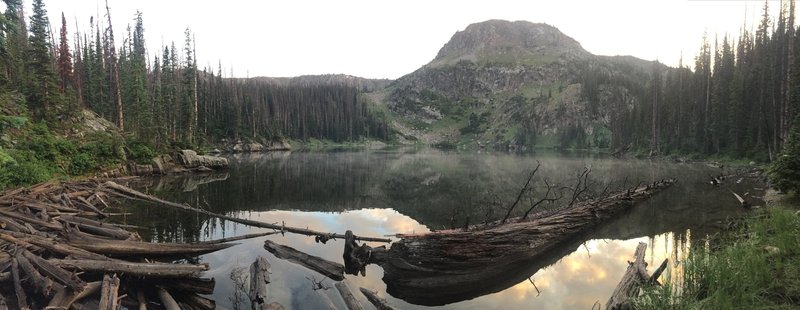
(522, 191)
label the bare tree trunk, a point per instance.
(115, 71)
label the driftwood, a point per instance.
(334, 271)
(152, 270)
(347, 295)
(447, 266)
(167, 300)
(634, 278)
(109, 293)
(259, 278)
(377, 301)
(137, 248)
(129, 192)
(59, 243)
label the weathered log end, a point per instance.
(259, 278)
(635, 277)
(109, 293)
(332, 270)
(347, 295)
(357, 257)
(377, 301)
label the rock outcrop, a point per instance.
(254, 147)
(180, 162)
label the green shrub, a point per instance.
(82, 163)
(785, 171)
(140, 152)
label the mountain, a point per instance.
(362, 84)
(514, 84)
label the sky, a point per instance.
(391, 38)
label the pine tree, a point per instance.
(64, 57)
(42, 89)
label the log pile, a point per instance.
(58, 250)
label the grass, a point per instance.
(756, 267)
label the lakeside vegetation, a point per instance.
(756, 266)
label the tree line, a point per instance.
(740, 100)
(166, 98)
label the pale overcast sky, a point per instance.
(387, 39)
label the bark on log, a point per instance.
(138, 248)
(109, 292)
(150, 270)
(357, 257)
(196, 302)
(448, 266)
(166, 299)
(259, 278)
(26, 240)
(22, 299)
(128, 192)
(379, 303)
(237, 238)
(635, 276)
(348, 297)
(203, 286)
(43, 284)
(334, 271)
(98, 228)
(62, 276)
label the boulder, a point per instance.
(190, 160)
(281, 145)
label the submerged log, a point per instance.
(167, 300)
(347, 295)
(259, 278)
(377, 301)
(334, 271)
(447, 266)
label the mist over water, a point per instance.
(376, 193)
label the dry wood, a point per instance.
(633, 279)
(654, 277)
(348, 297)
(43, 284)
(22, 299)
(34, 221)
(197, 285)
(28, 241)
(379, 303)
(237, 238)
(90, 289)
(334, 271)
(259, 278)
(154, 270)
(139, 248)
(166, 299)
(129, 192)
(196, 302)
(109, 292)
(96, 227)
(62, 276)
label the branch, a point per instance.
(521, 192)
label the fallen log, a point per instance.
(349, 299)
(379, 303)
(166, 299)
(447, 266)
(195, 302)
(139, 248)
(96, 227)
(203, 286)
(42, 284)
(62, 276)
(25, 240)
(22, 298)
(151, 270)
(129, 192)
(334, 271)
(109, 293)
(259, 278)
(237, 238)
(635, 277)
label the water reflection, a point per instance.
(379, 193)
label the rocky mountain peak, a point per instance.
(501, 41)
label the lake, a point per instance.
(378, 193)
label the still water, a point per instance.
(377, 193)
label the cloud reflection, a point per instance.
(579, 280)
